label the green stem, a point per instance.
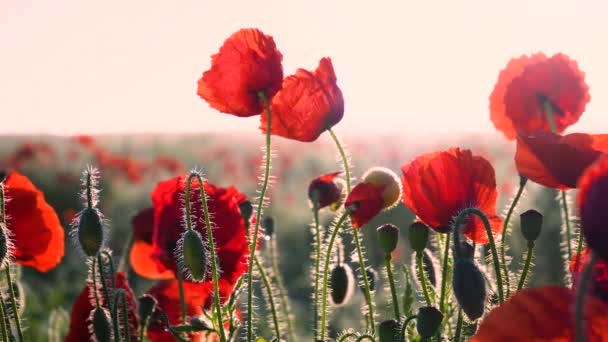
(95, 294)
(567, 221)
(11, 291)
(315, 303)
(404, 325)
(104, 282)
(282, 291)
(326, 272)
(366, 336)
(125, 319)
(182, 299)
(3, 322)
(344, 159)
(391, 281)
(422, 277)
(581, 293)
(273, 310)
(503, 235)
(459, 222)
(444, 276)
(549, 113)
(115, 323)
(524, 273)
(3, 227)
(89, 190)
(458, 333)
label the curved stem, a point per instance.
(391, 281)
(282, 291)
(505, 228)
(11, 291)
(315, 303)
(422, 277)
(567, 221)
(326, 272)
(267, 285)
(457, 335)
(404, 325)
(254, 237)
(345, 336)
(524, 272)
(444, 276)
(581, 292)
(366, 336)
(459, 221)
(344, 160)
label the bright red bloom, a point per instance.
(85, 303)
(366, 201)
(326, 188)
(599, 276)
(543, 314)
(307, 105)
(558, 161)
(518, 100)
(157, 229)
(36, 231)
(438, 185)
(593, 206)
(247, 63)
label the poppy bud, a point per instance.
(469, 288)
(428, 263)
(101, 325)
(326, 190)
(531, 224)
(428, 321)
(341, 283)
(268, 224)
(466, 250)
(388, 330)
(246, 210)
(418, 236)
(90, 231)
(388, 235)
(147, 305)
(381, 176)
(193, 255)
(198, 324)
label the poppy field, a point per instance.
(295, 232)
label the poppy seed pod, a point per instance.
(418, 236)
(469, 288)
(246, 210)
(147, 305)
(428, 321)
(388, 330)
(388, 236)
(193, 255)
(268, 224)
(342, 284)
(381, 176)
(531, 224)
(90, 231)
(102, 328)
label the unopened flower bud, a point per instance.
(467, 251)
(90, 231)
(198, 324)
(194, 255)
(388, 236)
(246, 210)
(428, 321)
(381, 176)
(418, 236)
(388, 330)
(469, 288)
(531, 224)
(147, 305)
(102, 329)
(341, 283)
(326, 190)
(268, 224)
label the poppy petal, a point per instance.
(367, 200)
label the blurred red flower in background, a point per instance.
(530, 83)
(37, 234)
(599, 276)
(438, 185)
(247, 63)
(593, 206)
(307, 105)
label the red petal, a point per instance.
(593, 207)
(368, 200)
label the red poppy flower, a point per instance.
(366, 201)
(593, 206)
(528, 84)
(543, 314)
(438, 185)
(247, 63)
(558, 161)
(307, 105)
(36, 231)
(157, 229)
(327, 189)
(198, 297)
(599, 277)
(85, 303)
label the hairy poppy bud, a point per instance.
(418, 236)
(326, 191)
(381, 176)
(469, 288)
(193, 255)
(341, 283)
(268, 224)
(246, 210)
(102, 329)
(531, 224)
(388, 330)
(428, 321)
(388, 235)
(147, 305)
(90, 231)
(467, 251)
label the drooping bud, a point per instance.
(428, 321)
(469, 288)
(418, 236)
(102, 329)
(90, 231)
(326, 190)
(268, 225)
(388, 236)
(388, 330)
(246, 210)
(531, 224)
(192, 254)
(341, 284)
(381, 176)
(147, 305)
(467, 251)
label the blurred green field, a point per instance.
(138, 162)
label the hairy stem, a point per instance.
(273, 310)
(274, 263)
(11, 292)
(567, 222)
(524, 272)
(391, 281)
(444, 276)
(422, 277)
(581, 292)
(315, 303)
(505, 228)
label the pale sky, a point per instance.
(112, 66)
